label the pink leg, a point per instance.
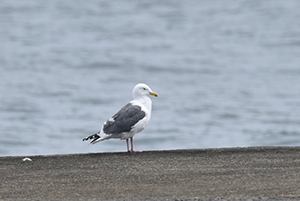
(127, 145)
(132, 150)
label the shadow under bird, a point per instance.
(129, 120)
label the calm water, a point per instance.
(228, 73)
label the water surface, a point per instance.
(227, 73)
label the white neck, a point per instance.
(145, 100)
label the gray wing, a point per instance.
(124, 120)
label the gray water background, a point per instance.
(227, 72)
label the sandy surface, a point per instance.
(259, 173)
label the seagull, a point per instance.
(129, 120)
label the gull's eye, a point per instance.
(144, 88)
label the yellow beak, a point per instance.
(153, 93)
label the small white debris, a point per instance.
(26, 159)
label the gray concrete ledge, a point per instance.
(257, 173)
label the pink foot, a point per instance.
(134, 151)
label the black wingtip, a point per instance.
(92, 137)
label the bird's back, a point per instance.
(124, 120)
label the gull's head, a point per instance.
(141, 90)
